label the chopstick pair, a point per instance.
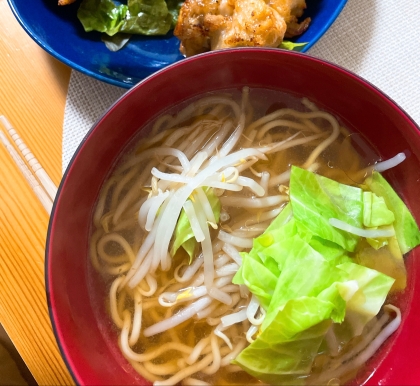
(38, 178)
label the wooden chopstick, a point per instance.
(44, 181)
(39, 171)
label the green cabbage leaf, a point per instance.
(406, 229)
(302, 271)
(375, 211)
(143, 17)
(315, 199)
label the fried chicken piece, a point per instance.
(291, 11)
(205, 25)
(65, 2)
(198, 20)
(214, 24)
(253, 23)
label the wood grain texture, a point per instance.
(33, 89)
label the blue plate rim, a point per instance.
(61, 58)
(326, 27)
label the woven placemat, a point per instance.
(376, 39)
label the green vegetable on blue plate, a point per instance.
(292, 46)
(143, 17)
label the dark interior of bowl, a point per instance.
(90, 348)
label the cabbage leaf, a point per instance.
(143, 17)
(304, 272)
(375, 211)
(289, 341)
(259, 279)
(301, 272)
(368, 299)
(406, 229)
(285, 349)
(315, 199)
(102, 16)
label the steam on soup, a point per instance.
(249, 242)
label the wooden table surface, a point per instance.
(33, 88)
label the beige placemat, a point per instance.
(377, 39)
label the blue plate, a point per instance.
(58, 31)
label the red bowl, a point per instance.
(76, 294)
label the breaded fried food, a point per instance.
(65, 2)
(205, 25)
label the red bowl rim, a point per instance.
(334, 67)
